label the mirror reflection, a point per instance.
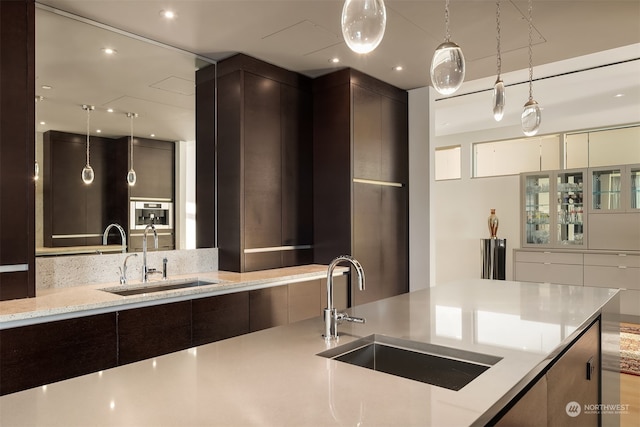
(82, 63)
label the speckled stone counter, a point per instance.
(63, 303)
(274, 377)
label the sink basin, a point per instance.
(158, 287)
(428, 363)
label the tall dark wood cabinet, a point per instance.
(361, 179)
(17, 151)
(264, 166)
(75, 213)
(154, 163)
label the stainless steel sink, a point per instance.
(158, 287)
(428, 363)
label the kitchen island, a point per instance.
(275, 377)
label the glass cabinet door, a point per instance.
(570, 208)
(635, 187)
(605, 189)
(536, 206)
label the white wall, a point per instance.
(458, 209)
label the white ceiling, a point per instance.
(300, 35)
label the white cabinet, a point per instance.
(553, 211)
(549, 267)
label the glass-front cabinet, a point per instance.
(553, 209)
(615, 189)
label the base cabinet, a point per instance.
(35, 355)
(563, 395)
(220, 317)
(152, 331)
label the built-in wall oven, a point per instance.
(157, 213)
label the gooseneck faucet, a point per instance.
(123, 269)
(146, 270)
(331, 316)
(122, 235)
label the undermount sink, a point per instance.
(428, 363)
(158, 287)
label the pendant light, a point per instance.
(531, 114)
(363, 24)
(87, 171)
(131, 175)
(498, 89)
(447, 65)
(36, 166)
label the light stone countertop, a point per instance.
(63, 303)
(275, 378)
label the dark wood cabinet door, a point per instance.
(40, 354)
(220, 317)
(268, 308)
(304, 300)
(380, 235)
(154, 164)
(262, 163)
(152, 331)
(394, 137)
(366, 136)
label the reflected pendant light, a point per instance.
(131, 175)
(363, 24)
(87, 171)
(36, 166)
(531, 114)
(447, 65)
(498, 89)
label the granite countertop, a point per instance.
(275, 378)
(56, 304)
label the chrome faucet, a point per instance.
(331, 316)
(146, 270)
(122, 235)
(123, 270)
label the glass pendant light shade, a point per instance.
(87, 172)
(447, 68)
(131, 175)
(531, 117)
(363, 24)
(36, 171)
(499, 98)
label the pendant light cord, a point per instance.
(88, 129)
(499, 56)
(446, 21)
(530, 51)
(131, 115)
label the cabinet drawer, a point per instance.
(612, 276)
(564, 274)
(612, 260)
(549, 257)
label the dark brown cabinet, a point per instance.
(361, 179)
(154, 163)
(75, 213)
(17, 193)
(220, 317)
(153, 331)
(264, 166)
(268, 307)
(34, 355)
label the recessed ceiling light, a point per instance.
(43, 123)
(109, 110)
(398, 68)
(619, 95)
(152, 135)
(47, 87)
(334, 60)
(98, 131)
(109, 51)
(168, 14)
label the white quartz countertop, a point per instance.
(56, 304)
(275, 378)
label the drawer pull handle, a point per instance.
(622, 254)
(547, 263)
(590, 369)
(622, 266)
